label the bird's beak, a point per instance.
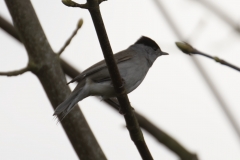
(164, 53)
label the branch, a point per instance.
(143, 122)
(52, 78)
(79, 25)
(16, 72)
(130, 118)
(6, 26)
(220, 14)
(188, 49)
(201, 70)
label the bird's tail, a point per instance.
(66, 106)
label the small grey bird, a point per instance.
(133, 64)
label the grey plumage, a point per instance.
(133, 64)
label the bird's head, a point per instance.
(146, 41)
(151, 47)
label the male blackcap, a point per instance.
(133, 64)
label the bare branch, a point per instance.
(188, 49)
(16, 72)
(79, 25)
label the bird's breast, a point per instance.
(133, 73)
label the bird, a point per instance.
(133, 64)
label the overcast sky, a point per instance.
(174, 96)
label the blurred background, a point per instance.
(174, 95)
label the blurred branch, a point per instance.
(130, 118)
(169, 20)
(161, 136)
(208, 81)
(188, 49)
(79, 25)
(220, 14)
(15, 73)
(52, 78)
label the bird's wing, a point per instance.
(119, 57)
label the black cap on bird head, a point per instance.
(150, 43)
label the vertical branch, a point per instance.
(46, 67)
(130, 118)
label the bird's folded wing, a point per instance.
(102, 65)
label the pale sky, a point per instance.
(174, 96)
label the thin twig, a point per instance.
(79, 25)
(208, 81)
(188, 49)
(130, 118)
(16, 72)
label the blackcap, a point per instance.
(133, 64)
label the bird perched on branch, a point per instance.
(133, 64)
